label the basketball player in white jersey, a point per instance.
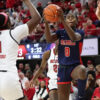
(50, 57)
(10, 87)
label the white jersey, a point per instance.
(9, 48)
(52, 65)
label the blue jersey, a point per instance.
(68, 51)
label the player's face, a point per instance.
(71, 20)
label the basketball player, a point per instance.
(69, 49)
(10, 87)
(50, 57)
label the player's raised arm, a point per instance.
(35, 16)
(68, 24)
(46, 56)
(98, 9)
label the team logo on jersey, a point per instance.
(67, 42)
(53, 61)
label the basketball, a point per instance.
(51, 13)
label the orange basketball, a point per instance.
(50, 13)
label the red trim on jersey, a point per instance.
(63, 82)
(80, 50)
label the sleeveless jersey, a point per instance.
(52, 65)
(69, 51)
(9, 48)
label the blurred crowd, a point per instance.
(39, 88)
(83, 9)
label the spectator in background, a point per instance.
(27, 67)
(29, 74)
(22, 78)
(41, 77)
(90, 30)
(74, 10)
(90, 86)
(14, 19)
(2, 5)
(40, 8)
(42, 93)
(21, 67)
(98, 71)
(84, 25)
(74, 93)
(96, 94)
(90, 66)
(28, 91)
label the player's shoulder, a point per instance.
(20, 27)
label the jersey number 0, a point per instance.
(67, 51)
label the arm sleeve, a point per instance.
(20, 32)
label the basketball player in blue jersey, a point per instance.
(69, 50)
